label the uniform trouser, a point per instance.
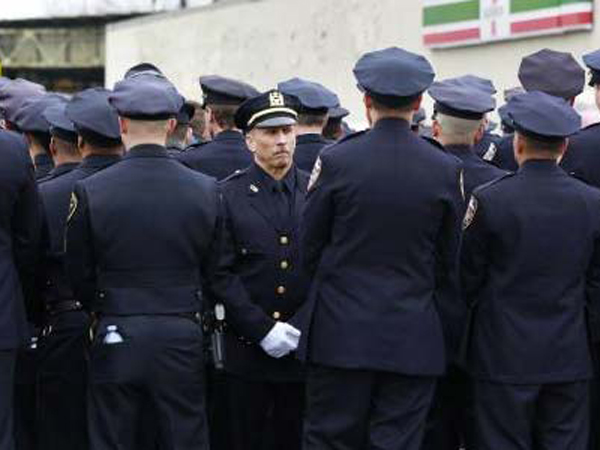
(219, 422)
(62, 382)
(265, 415)
(365, 409)
(7, 378)
(522, 417)
(450, 420)
(156, 372)
(25, 398)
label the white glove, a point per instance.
(282, 339)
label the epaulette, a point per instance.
(237, 174)
(195, 146)
(352, 136)
(493, 182)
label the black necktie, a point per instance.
(281, 202)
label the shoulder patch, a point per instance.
(314, 176)
(490, 153)
(73, 203)
(471, 211)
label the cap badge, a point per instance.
(276, 99)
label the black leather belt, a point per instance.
(65, 306)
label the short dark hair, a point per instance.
(399, 104)
(66, 147)
(224, 115)
(312, 120)
(546, 145)
(41, 138)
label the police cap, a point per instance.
(543, 116)
(16, 92)
(592, 61)
(393, 75)
(270, 109)
(552, 72)
(220, 90)
(338, 112)
(60, 125)
(95, 120)
(460, 97)
(185, 114)
(146, 96)
(313, 98)
(483, 84)
(144, 67)
(418, 117)
(30, 117)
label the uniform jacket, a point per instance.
(219, 158)
(530, 262)
(501, 154)
(582, 158)
(43, 165)
(269, 282)
(308, 147)
(139, 234)
(381, 231)
(488, 139)
(20, 225)
(55, 194)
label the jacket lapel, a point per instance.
(258, 197)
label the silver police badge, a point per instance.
(73, 203)
(470, 214)
(314, 175)
(490, 153)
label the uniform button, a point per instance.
(276, 315)
(244, 251)
(281, 290)
(284, 264)
(101, 295)
(284, 240)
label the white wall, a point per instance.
(266, 41)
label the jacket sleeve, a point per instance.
(79, 253)
(26, 229)
(225, 286)
(318, 215)
(592, 290)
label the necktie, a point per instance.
(281, 202)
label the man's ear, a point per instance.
(417, 103)
(436, 129)
(480, 132)
(250, 143)
(171, 125)
(123, 125)
(53, 150)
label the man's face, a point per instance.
(597, 91)
(273, 148)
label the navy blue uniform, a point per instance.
(308, 147)
(139, 241)
(501, 154)
(262, 248)
(43, 165)
(486, 141)
(381, 231)
(62, 373)
(527, 283)
(19, 236)
(582, 158)
(219, 158)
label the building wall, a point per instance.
(264, 41)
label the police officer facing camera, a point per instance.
(529, 286)
(262, 208)
(139, 240)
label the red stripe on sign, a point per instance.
(451, 36)
(565, 20)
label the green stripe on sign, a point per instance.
(517, 6)
(452, 12)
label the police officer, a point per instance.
(335, 128)
(262, 209)
(139, 237)
(459, 122)
(381, 231)
(227, 152)
(91, 124)
(528, 284)
(181, 136)
(417, 120)
(12, 97)
(31, 121)
(555, 73)
(315, 101)
(582, 158)
(19, 238)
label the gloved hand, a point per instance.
(282, 339)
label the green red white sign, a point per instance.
(463, 22)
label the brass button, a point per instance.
(101, 295)
(283, 240)
(244, 251)
(284, 264)
(281, 290)
(276, 315)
